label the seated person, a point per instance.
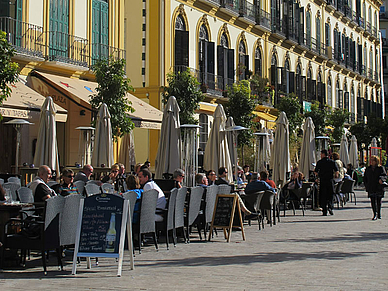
(67, 187)
(257, 185)
(247, 174)
(133, 184)
(178, 177)
(211, 177)
(145, 178)
(201, 180)
(240, 176)
(138, 168)
(222, 174)
(112, 177)
(39, 187)
(296, 182)
(264, 177)
(84, 174)
(120, 179)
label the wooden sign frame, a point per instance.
(125, 226)
(228, 229)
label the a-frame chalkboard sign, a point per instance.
(223, 216)
(101, 229)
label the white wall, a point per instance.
(35, 13)
(80, 18)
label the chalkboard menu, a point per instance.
(101, 224)
(101, 228)
(225, 210)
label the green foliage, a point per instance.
(362, 134)
(8, 69)
(260, 89)
(240, 107)
(112, 88)
(319, 117)
(290, 104)
(337, 119)
(185, 88)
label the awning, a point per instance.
(268, 118)
(208, 108)
(145, 115)
(26, 103)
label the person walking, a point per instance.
(374, 185)
(326, 170)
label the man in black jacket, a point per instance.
(326, 170)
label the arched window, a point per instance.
(181, 45)
(318, 32)
(339, 95)
(329, 93)
(346, 97)
(308, 28)
(352, 102)
(320, 89)
(370, 15)
(204, 130)
(258, 62)
(287, 80)
(243, 62)
(274, 73)
(225, 63)
(206, 58)
(337, 44)
(298, 84)
(311, 84)
(364, 12)
(371, 64)
(365, 61)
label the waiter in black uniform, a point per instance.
(326, 170)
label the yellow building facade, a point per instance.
(57, 42)
(320, 50)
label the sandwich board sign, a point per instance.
(101, 229)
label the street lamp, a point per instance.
(17, 124)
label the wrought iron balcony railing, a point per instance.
(374, 31)
(368, 27)
(248, 10)
(231, 5)
(263, 18)
(67, 48)
(26, 38)
(103, 51)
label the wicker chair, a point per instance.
(80, 186)
(13, 187)
(179, 219)
(107, 188)
(194, 209)
(92, 189)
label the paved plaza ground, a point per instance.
(347, 251)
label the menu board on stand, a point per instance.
(101, 229)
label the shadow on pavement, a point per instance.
(363, 236)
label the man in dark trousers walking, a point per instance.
(326, 170)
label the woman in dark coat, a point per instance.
(374, 185)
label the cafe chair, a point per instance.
(211, 195)
(131, 196)
(25, 195)
(348, 190)
(96, 182)
(194, 208)
(92, 189)
(13, 187)
(338, 196)
(14, 180)
(179, 219)
(267, 206)
(35, 234)
(69, 219)
(303, 193)
(252, 202)
(147, 215)
(107, 188)
(167, 224)
(80, 186)
(224, 189)
(1, 181)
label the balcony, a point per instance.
(24, 37)
(102, 51)
(374, 31)
(346, 11)
(368, 27)
(263, 19)
(370, 74)
(376, 76)
(213, 3)
(248, 11)
(354, 18)
(67, 48)
(361, 22)
(230, 6)
(278, 27)
(32, 43)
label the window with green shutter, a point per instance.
(100, 30)
(59, 29)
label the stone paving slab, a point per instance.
(347, 251)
